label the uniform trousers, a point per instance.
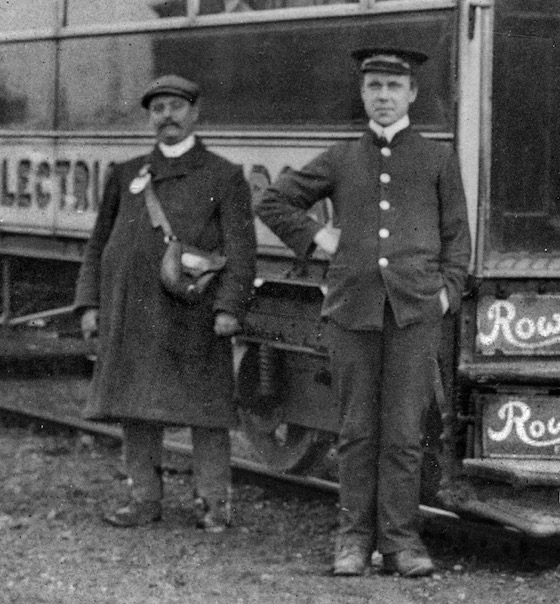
(384, 383)
(143, 449)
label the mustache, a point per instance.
(168, 123)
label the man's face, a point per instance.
(172, 117)
(387, 96)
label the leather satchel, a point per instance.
(186, 271)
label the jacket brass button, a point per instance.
(384, 233)
(385, 178)
(383, 262)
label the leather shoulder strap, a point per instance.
(157, 217)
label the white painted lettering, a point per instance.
(516, 415)
(502, 315)
(525, 328)
(537, 429)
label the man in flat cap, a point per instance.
(163, 362)
(399, 257)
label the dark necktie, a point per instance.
(380, 139)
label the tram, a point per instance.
(279, 87)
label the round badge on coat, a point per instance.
(139, 183)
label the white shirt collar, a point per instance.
(179, 148)
(390, 131)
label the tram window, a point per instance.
(103, 94)
(208, 7)
(95, 12)
(27, 80)
(27, 15)
(525, 181)
(283, 75)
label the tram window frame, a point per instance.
(363, 8)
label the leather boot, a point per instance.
(351, 558)
(136, 513)
(409, 563)
(213, 517)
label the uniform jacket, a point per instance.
(405, 249)
(159, 359)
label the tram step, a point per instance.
(538, 371)
(519, 493)
(517, 472)
(43, 346)
(530, 520)
(41, 354)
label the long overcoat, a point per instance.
(404, 228)
(159, 359)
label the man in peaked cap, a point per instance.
(162, 362)
(173, 85)
(399, 252)
(389, 60)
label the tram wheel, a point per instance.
(282, 446)
(275, 442)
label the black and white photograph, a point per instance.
(279, 301)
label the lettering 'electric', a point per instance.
(72, 185)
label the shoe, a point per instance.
(136, 513)
(350, 561)
(409, 563)
(212, 519)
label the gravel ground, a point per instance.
(55, 549)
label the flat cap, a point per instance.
(400, 61)
(171, 84)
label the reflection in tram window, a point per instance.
(236, 6)
(92, 12)
(212, 7)
(208, 7)
(27, 85)
(272, 4)
(96, 12)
